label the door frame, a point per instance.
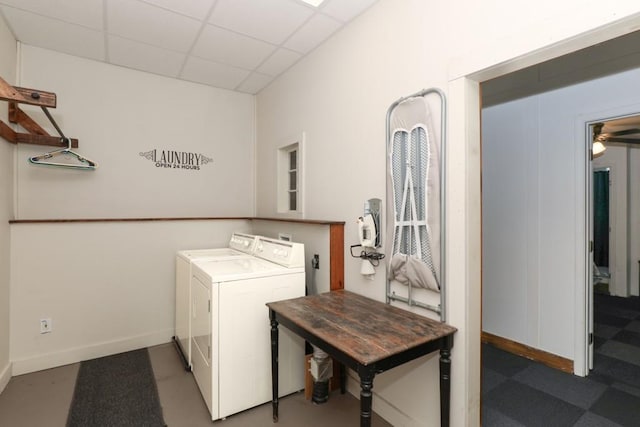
(465, 76)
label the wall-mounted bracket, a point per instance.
(23, 95)
(36, 134)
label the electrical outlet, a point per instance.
(46, 326)
(315, 262)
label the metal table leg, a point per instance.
(274, 364)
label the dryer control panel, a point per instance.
(287, 254)
(243, 242)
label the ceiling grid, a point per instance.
(241, 45)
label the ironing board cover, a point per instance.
(414, 208)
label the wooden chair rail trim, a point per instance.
(250, 218)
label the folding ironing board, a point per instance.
(415, 202)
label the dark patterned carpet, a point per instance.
(519, 392)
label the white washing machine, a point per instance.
(231, 347)
(240, 245)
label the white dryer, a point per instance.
(231, 350)
(240, 245)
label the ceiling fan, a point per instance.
(616, 136)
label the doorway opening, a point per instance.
(537, 278)
(601, 230)
(614, 207)
(536, 227)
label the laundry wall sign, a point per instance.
(171, 159)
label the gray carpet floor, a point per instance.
(519, 392)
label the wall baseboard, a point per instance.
(5, 376)
(548, 359)
(78, 354)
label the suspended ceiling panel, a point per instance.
(231, 44)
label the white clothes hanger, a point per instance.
(85, 164)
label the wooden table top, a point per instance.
(365, 329)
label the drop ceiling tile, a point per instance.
(214, 74)
(272, 20)
(281, 60)
(145, 23)
(254, 83)
(346, 10)
(219, 45)
(143, 57)
(312, 34)
(81, 12)
(56, 35)
(194, 8)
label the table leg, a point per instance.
(445, 380)
(343, 379)
(274, 364)
(366, 384)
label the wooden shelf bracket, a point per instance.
(36, 134)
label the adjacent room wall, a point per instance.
(7, 72)
(620, 196)
(534, 208)
(338, 97)
(633, 217)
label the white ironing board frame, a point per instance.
(409, 299)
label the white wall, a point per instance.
(108, 287)
(7, 72)
(510, 228)
(339, 95)
(117, 113)
(534, 212)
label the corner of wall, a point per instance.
(8, 53)
(255, 155)
(5, 376)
